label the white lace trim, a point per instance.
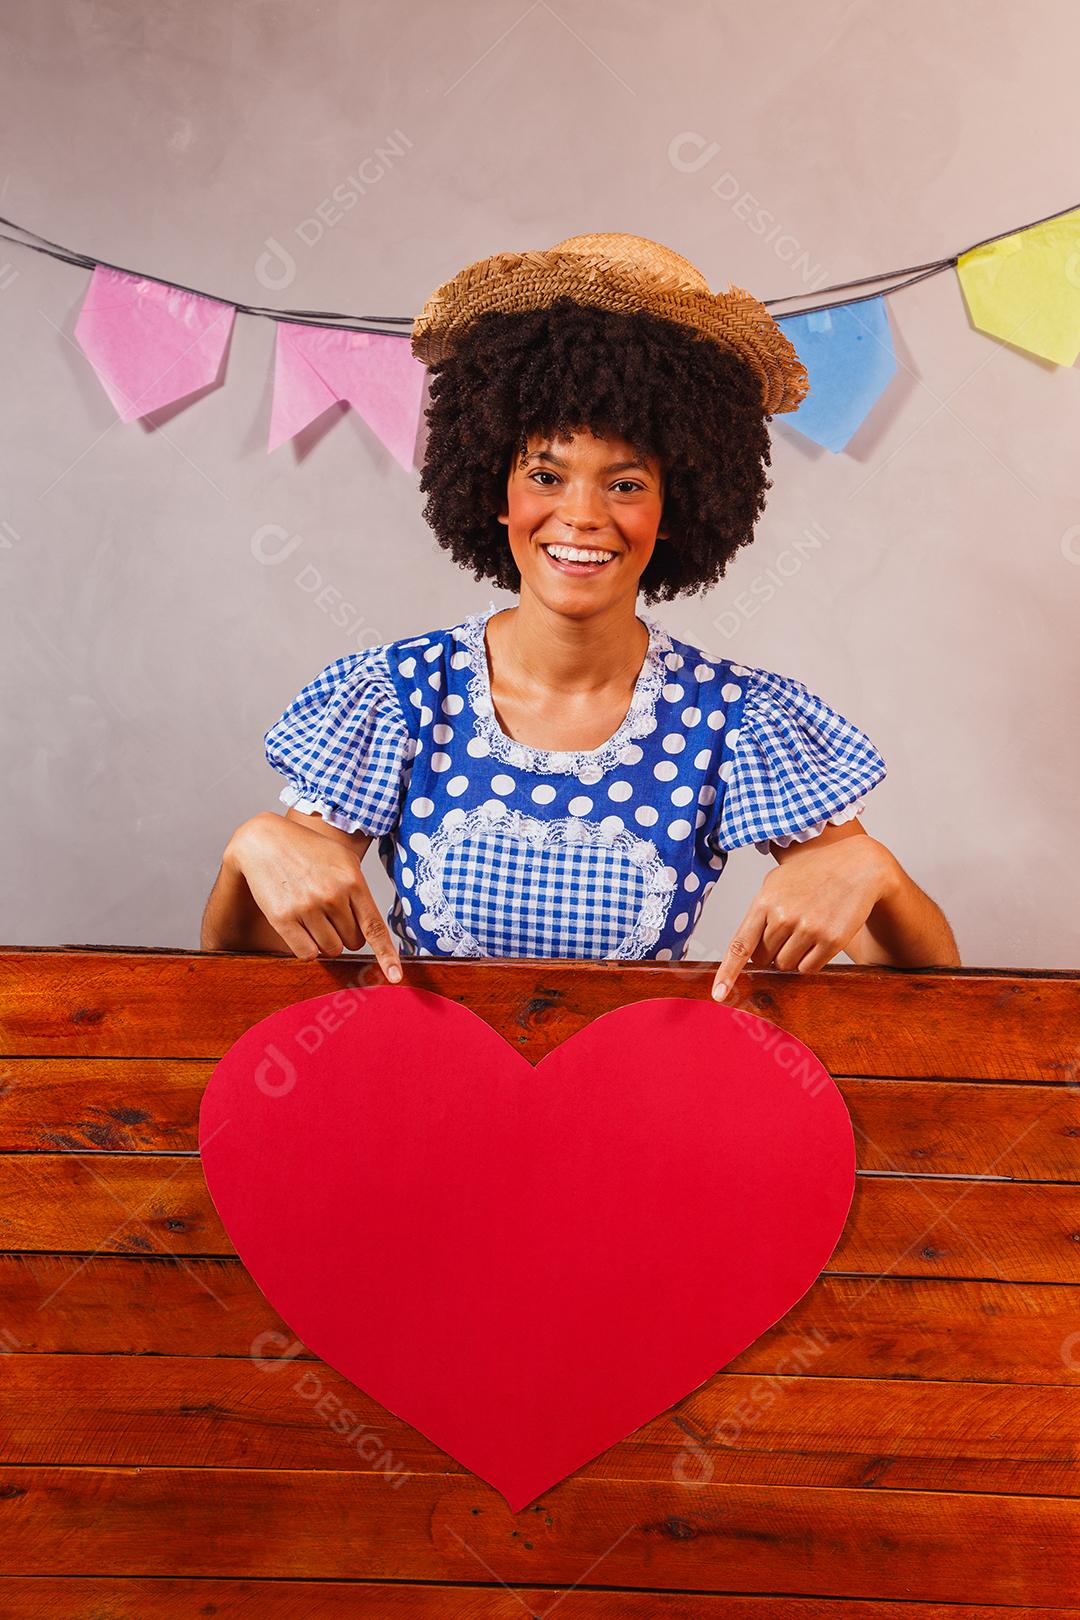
(440, 919)
(312, 807)
(589, 764)
(838, 819)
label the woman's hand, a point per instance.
(310, 889)
(810, 906)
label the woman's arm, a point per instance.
(840, 891)
(281, 890)
(232, 921)
(905, 928)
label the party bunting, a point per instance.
(315, 367)
(848, 353)
(150, 344)
(1025, 288)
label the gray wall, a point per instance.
(926, 582)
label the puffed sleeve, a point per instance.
(342, 745)
(797, 765)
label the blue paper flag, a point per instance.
(848, 354)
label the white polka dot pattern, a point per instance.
(498, 847)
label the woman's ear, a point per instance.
(503, 513)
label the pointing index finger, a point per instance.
(743, 944)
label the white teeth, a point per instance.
(575, 554)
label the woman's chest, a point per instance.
(560, 726)
(599, 858)
(504, 848)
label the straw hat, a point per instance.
(623, 273)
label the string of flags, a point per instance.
(153, 343)
(1022, 286)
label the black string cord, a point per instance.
(381, 323)
(301, 317)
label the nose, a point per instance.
(582, 507)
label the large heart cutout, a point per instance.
(525, 1263)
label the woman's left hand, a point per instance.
(810, 906)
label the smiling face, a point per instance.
(582, 517)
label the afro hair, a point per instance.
(662, 387)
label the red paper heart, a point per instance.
(525, 1263)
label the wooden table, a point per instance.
(903, 1444)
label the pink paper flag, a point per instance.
(149, 343)
(374, 372)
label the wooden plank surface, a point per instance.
(980, 1024)
(931, 1227)
(954, 1547)
(179, 1598)
(903, 1443)
(956, 1127)
(853, 1327)
(262, 1412)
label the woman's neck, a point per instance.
(577, 658)
(562, 682)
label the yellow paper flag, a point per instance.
(1025, 288)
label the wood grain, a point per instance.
(922, 1127)
(923, 1227)
(952, 1547)
(979, 1024)
(178, 1598)
(903, 1444)
(776, 1428)
(845, 1327)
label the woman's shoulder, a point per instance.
(798, 762)
(361, 671)
(382, 687)
(423, 666)
(790, 760)
(690, 661)
(343, 743)
(764, 693)
(417, 647)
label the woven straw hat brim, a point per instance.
(515, 282)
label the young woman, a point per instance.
(563, 778)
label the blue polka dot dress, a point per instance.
(496, 848)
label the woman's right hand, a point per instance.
(310, 889)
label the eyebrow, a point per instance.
(614, 466)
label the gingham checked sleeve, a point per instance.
(342, 744)
(797, 766)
